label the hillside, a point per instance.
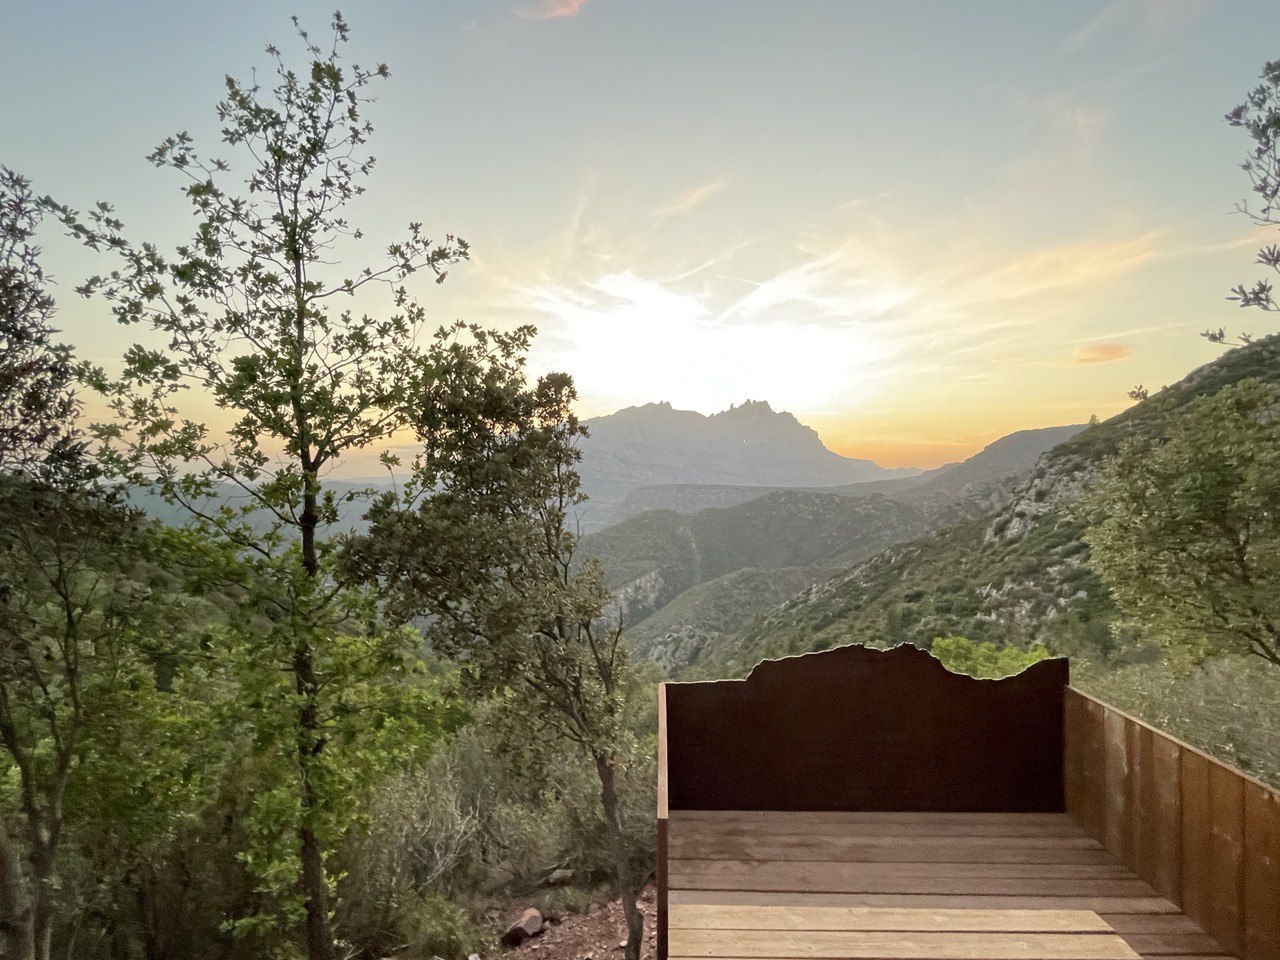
(685, 582)
(1019, 574)
(652, 558)
(749, 445)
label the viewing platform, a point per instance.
(870, 804)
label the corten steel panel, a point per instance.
(859, 729)
(1261, 873)
(1226, 845)
(1204, 834)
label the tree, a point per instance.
(249, 314)
(80, 629)
(37, 400)
(489, 561)
(984, 659)
(1259, 116)
(1187, 534)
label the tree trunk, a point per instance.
(320, 944)
(42, 917)
(319, 936)
(16, 932)
(314, 887)
(627, 889)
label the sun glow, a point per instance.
(626, 337)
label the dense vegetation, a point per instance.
(200, 722)
(292, 717)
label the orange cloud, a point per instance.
(551, 9)
(1101, 353)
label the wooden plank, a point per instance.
(660, 868)
(971, 901)
(909, 817)
(1141, 759)
(663, 805)
(1173, 944)
(856, 851)
(1165, 821)
(1261, 873)
(1009, 886)
(1073, 708)
(862, 877)
(784, 828)
(1118, 816)
(684, 836)
(710, 917)
(1127, 923)
(1091, 748)
(1226, 866)
(1197, 839)
(663, 883)
(906, 946)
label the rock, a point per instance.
(529, 925)
(473, 956)
(559, 878)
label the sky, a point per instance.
(916, 226)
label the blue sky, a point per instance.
(918, 226)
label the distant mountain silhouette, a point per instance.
(746, 445)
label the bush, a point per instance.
(434, 926)
(489, 815)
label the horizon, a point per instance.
(1004, 221)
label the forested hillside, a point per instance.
(1020, 575)
(685, 582)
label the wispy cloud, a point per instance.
(550, 9)
(688, 200)
(1148, 19)
(1072, 265)
(1102, 353)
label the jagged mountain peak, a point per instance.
(748, 444)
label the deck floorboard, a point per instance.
(897, 886)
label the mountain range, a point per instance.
(1018, 572)
(686, 577)
(749, 445)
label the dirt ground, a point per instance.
(597, 934)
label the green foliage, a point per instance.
(436, 927)
(489, 561)
(38, 404)
(1187, 535)
(983, 659)
(102, 746)
(255, 316)
(492, 813)
(1259, 116)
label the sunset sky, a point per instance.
(917, 226)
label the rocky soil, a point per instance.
(598, 934)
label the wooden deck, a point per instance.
(916, 886)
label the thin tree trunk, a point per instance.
(320, 944)
(16, 931)
(622, 862)
(319, 937)
(42, 914)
